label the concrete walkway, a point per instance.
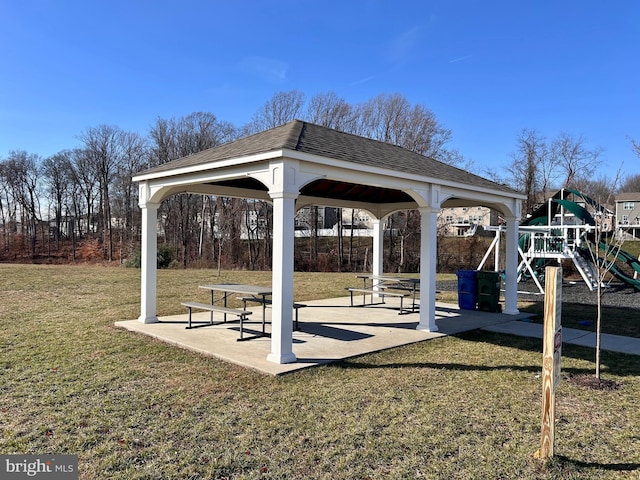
(330, 331)
(613, 343)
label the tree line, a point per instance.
(82, 202)
(541, 165)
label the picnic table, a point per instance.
(227, 290)
(381, 284)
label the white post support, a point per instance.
(428, 257)
(378, 244)
(496, 254)
(148, 266)
(511, 267)
(282, 278)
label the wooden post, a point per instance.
(551, 354)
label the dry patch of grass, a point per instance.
(131, 407)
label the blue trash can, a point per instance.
(467, 289)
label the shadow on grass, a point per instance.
(439, 366)
(563, 463)
(612, 363)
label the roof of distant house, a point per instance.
(628, 196)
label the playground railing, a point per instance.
(548, 244)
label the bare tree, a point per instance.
(600, 188)
(631, 184)
(229, 226)
(604, 251)
(21, 172)
(85, 181)
(392, 119)
(573, 159)
(539, 166)
(56, 172)
(175, 138)
(283, 107)
(199, 131)
(163, 147)
(329, 110)
(524, 169)
(104, 148)
(388, 118)
(635, 146)
(134, 158)
(255, 215)
(8, 205)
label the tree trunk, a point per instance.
(598, 324)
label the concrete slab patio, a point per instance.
(330, 330)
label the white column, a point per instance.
(282, 278)
(428, 244)
(378, 246)
(496, 252)
(148, 261)
(511, 267)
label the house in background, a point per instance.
(354, 221)
(324, 218)
(464, 221)
(628, 213)
(452, 222)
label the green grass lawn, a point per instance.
(632, 247)
(465, 407)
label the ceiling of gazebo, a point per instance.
(331, 190)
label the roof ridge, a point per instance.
(303, 130)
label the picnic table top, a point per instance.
(239, 288)
(388, 278)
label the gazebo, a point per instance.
(300, 164)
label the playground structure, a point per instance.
(565, 228)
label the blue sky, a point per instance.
(487, 69)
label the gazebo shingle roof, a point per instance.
(322, 141)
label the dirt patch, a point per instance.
(593, 383)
